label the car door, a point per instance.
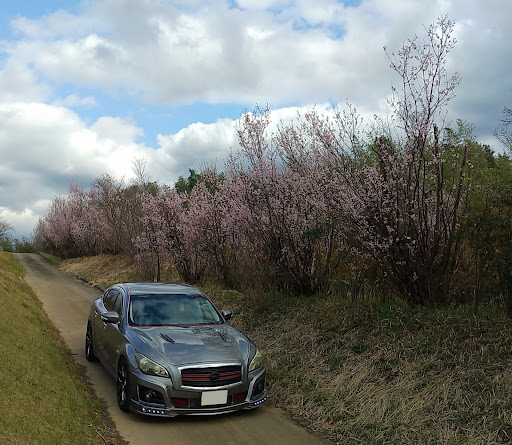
(112, 336)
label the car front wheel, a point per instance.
(123, 386)
(89, 350)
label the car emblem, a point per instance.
(214, 376)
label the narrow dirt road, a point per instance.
(67, 302)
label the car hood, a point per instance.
(196, 344)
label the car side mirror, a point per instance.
(110, 317)
(228, 315)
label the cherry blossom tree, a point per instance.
(168, 229)
(408, 189)
(121, 208)
(398, 189)
(423, 183)
(88, 226)
(73, 225)
(218, 232)
(280, 210)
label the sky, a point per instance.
(91, 87)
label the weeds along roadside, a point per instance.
(43, 398)
(371, 372)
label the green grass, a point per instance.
(42, 398)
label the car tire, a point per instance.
(123, 386)
(89, 349)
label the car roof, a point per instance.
(160, 288)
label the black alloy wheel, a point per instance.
(123, 386)
(89, 350)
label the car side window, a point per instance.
(118, 304)
(109, 299)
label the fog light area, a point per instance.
(259, 388)
(149, 395)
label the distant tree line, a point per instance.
(9, 244)
(409, 208)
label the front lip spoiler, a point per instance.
(151, 410)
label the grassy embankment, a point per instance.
(371, 372)
(42, 398)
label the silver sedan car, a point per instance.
(172, 352)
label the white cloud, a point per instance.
(23, 222)
(18, 82)
(116, 129)
(195, 146)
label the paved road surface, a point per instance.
(67, 302)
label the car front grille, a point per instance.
(211, 377)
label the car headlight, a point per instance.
(256, 362)
(150, 367)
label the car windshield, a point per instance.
(171, 309)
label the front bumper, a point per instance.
(166, 401)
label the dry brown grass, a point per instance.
(101, 270)
(105, 270)
(368, 372)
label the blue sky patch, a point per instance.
(31, 9)
(353, 3)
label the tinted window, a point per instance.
(109, 299)
(118, 304)
(159, 310)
